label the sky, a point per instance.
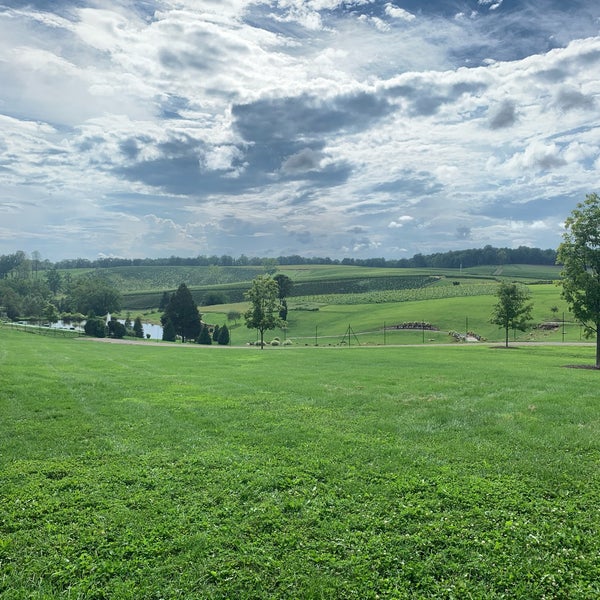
(329, 128)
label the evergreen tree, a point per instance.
(204, 337)
(183, 313)
(215, 334)
(164, 301)
(138, 328)
(224, 337)
(169, 333)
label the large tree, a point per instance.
(285, 285)
(512, 310)
(183, 313)
(93, 292)
(579, 255)
(264, 306)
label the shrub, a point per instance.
(212, 298)
(95, 327)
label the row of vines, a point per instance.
(400, 295)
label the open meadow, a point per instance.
(145, 471)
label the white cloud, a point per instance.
(396, 12)
(134, 120)
(400, 222)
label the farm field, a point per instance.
(192, 472)
(142, 287)
(326, 319)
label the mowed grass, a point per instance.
(191, 472)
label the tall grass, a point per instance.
(191, 472)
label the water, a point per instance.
(155, 331)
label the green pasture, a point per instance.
(147, 472)
(321, 320)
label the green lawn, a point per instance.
(191, 472)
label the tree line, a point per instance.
(20, 265)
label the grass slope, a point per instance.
(189, 472)
(142, 287)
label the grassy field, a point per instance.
(137, 472)
(447, 312)
(142, 287)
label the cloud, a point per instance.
(503, 116)
(568, 98)
(293, 126)
(400, 222)
(538, 156)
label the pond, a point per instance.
(155, 331)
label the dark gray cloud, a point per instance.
(503, 116)
(305, 160)
(425, 97)
(308, 116)
(572, 99)
(411, 185)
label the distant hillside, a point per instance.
(142, 287)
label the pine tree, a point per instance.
(224, 337)
(215, 334)
(204, 337)
(183, 313)
(169, 333)
(164, 301)
(138, 328)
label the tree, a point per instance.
(579, 255)
(116, 329)
(54, 281)
(183, 313)
(215, 333)
(224, 337)
(138, 328)
(512, 310)
(94, 292)
(285, 284)
(164, 301)
(169, 333)
(95, 327)
(264, 300)
(233, 315)
(212, 298)
(204, 336)
(51, 313)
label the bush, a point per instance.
(116, 329)
(204, 337)
(95, 327)
(275, 342)
(214, 298)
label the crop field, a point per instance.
(147, 472)
(142, 287)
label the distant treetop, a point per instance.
(18, 265)
(453, 259)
